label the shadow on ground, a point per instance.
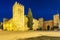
(42, 38)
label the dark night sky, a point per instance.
(40, 8)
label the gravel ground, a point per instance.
(42, 38)
(30, 35)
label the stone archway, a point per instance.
(48, 27)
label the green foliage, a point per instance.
(30, 19)
(1, 27)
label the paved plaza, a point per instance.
(7, 35)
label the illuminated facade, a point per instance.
(59, 24)
(9, 25)
(56, 20)
(18, 22)
(41, 20)
(48, 23)
(18, 15)
(35, 24)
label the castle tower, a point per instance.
(56, 20)
(18, 15)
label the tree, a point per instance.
(1, 26)
(30, 19)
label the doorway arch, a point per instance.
(48, 27)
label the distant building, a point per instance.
(59, 24)
(41, 21)
(56, 19)
(18, 22)
(18, 15)
(48, 25)
(9, 25)
(35, 24)
(59, 21)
